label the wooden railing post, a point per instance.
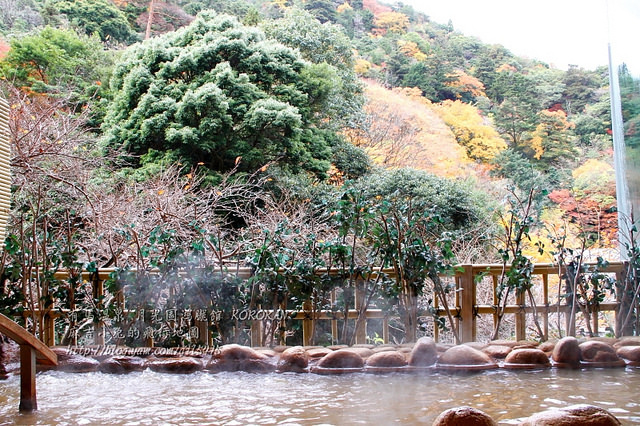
(28, 400)
(360, 323)
(467, 326)
(98, 295)
(307, 323)
(521, 318)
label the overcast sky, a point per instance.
(559, 32)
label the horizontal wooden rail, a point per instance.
(465, 308)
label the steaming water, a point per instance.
(243, 398)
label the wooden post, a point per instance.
(307, 323)
(545, 318)
(467, 326)
(334, 322)
(385, 329)
(98, 293)
(360, 323)
(521, 318)
(256, 333)
(28, 400)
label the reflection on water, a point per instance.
(243, 398)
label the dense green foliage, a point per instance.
(220, 94)
(221, 143)
(99, 17)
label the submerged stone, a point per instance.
(600, 353)
(294, 359)
(497, 351)
(387, 359)
(467, 416)
(527, 358)
(465, 357)
(122, 364)
(179, 365)
(630, 353)
(72, 362)
(341, 359)
(235, 357)
(574, 415)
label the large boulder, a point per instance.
(122, 364)
(71, 362)
(295, 359)
(360, 350)
(175, 365)
(424, 353)
(318, 352)
(388, 359)
(630, 353)
(566, 352)
(463, 357)
(235, 357)
(574, 415)
(527, 358)
(497, 351)
(599, 353)
(341, 359)
(464, 416)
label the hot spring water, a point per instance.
(361, 398)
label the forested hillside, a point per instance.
(364, 77)
(293, 137)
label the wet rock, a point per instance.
(504, 342)
(341, 359)
(566, 352)
(295, 359)
(548, 346)
(424, 353)
(178, 365)
(268, 352)
(599, 352)
(385, 348)
(318, 352)
(72, 362)
(527, 357)
(240, 358)
(497, 351)
(630, 353)
(9, 356)
(627, 341)
(465, 357)
(387, 359)
(122, 364)
(467, 416)
(574, 415)
(364, 345)
(476, 345)
(362, 351)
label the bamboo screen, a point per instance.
(5, 169)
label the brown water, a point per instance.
(309, 399)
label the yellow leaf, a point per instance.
(161, 191)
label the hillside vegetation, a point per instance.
(293, 137)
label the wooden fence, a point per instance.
(473, 301)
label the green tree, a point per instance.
(219, 94)
(100, 17)
(323, 44)
(57, 62)
(323, 10)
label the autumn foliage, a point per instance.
(472, 131)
